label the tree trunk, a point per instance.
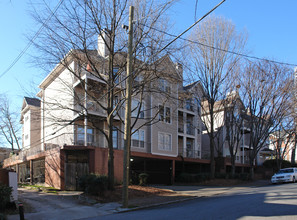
(212, 160)
(294, 151)
(233, 166)
(110, 116)
(252, 174)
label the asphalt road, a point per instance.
(266, 202)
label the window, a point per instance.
(135, 105)
(198, 104)
(164, 86)
(81, 134)
(116, 75)
(139, 78)
(189, 105)
(138, 138)
(190, 128)
(115, 137)
(161, 113)
(164, 114)
(91, 105)
(164, 141)
(115, 105)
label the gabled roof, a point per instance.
(27, 103)
(32, 101)
(189, 86)
(166, 63)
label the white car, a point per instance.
(285, 175)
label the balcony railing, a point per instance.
(190, 107)
(23, 155)
(189, 153)
(92, 144)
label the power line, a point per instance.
(220, 49)
(32, 40)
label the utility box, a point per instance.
(13, 182)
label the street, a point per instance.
(269, 202)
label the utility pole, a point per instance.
(127, 132)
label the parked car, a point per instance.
(285, 175)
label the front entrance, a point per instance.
(76, 166)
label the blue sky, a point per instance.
(271, 25)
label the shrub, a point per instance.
(5, 193)
(94, 184)
(273, 164)
(143, 178)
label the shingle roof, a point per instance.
(33, 101)
(189, 86)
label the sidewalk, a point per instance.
(70, 205)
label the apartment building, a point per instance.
(65, 129)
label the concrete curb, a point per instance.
(158, 204)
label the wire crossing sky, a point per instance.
(271, 26)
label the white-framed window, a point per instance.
(139, 78)
(116, 75)
(135, 105)
(137, 138)
(115, 137)
(115, 105)
(164, 114)
(164, 141)
(165, 86)
(81, 134)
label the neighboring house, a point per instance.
(62, 129)
(230, 118)
(30, 119)
(281, 146)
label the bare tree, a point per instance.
(9, 124)
(284, 138)
(266, 87)
(212, 63)
(234, 118)
(72, 34)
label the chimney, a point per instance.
(103, 41)
(179, 69)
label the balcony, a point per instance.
(189, 153)
(180, 128)
(190, 129)
(23, 155)
(190, 107)
(92, 144)
(92, 108)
